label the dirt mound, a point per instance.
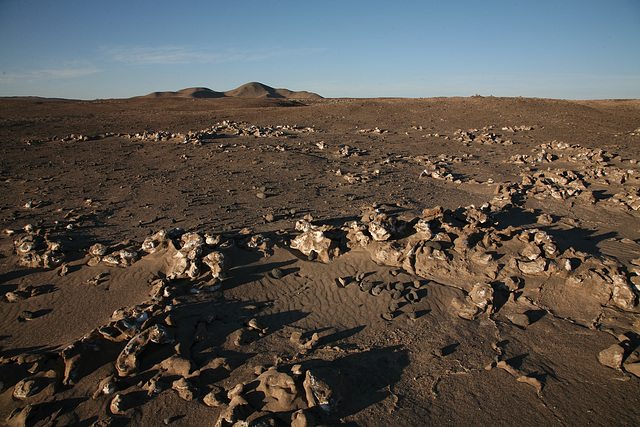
(259, 90)
(250, 90)
(192, 92)
(254, 90)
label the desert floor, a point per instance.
(444, 261)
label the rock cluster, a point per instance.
(226, 128)
(136, 327)
(465, 248)
(486, 137)
(624, 355)
(276, 394)
(461, 248)
(36, 248)
(316, 241)
(373, 130)
(194, 262)
(595, 169)
(188, 255)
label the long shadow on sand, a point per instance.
(360, 380)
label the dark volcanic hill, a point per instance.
(249, 90)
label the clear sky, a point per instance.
(573, 49)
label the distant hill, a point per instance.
(192, 92)
(259, 90)
(249, 90)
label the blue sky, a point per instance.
(573, 49)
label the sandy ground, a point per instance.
(449, 261)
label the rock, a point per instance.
(120, 404)
(213, 398)
(277, 273)
(633, 368)
(531, 251)
(343, 281)
(98, 250)
(185, 389)
(127, 361)
(128, 256)
(612, 356)
(235, 391)
(71, 356)
(545, 219)
(26, 388)
(520, 320)
(254, 324)
(280, 390)
(513, 283)
(111, 260)
(432, 213)
(154, 386)
(532, 267)
(193, 271)
(464, 308)
(153, 243)
(481, 257)
(302, 419)
(482, 295)
(64, 270)
(386, 253)
(52, 259)
(510, 369)
(622, 295)
(313, 240)
(216, 262)
(19, 417)
(177, 365)
(26, 315)
(16, 296)
(238, 409)
(424, 228)
(180, 265)
(320, 388)
(106, 387)
(379, 231)
(532, 381)
(357, 235)
(305, 344)
(412, 297)
(377, 290)
(190, 241)
(387, 316)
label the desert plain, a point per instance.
(268, 257)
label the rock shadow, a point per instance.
(535, 315)
(362, 380)
(339, 335)
(248, 271)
